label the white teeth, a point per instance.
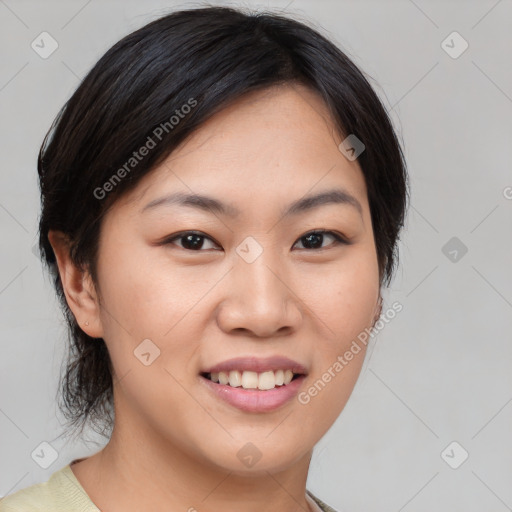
(249, 380)
(266, 380)
(253, 380)
(235, 379)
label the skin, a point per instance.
(174, 445)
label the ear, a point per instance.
(78, 287)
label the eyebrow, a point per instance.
(202, 202)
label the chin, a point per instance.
(257, 455)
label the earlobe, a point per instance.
(78, 287)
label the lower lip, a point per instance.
(254, 400)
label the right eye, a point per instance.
(190, 240)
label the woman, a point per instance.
(221, 203)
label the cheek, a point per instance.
(344, 304)
(143, 295)
(343, 296)
(150, 325)
(147, 309)
(349, 305)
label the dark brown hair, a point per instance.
(211, 56)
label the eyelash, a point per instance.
(338, 239)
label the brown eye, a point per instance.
(190, 240)
(315, 239)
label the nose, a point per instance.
(259, 300)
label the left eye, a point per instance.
(195, 241)
(314, 239)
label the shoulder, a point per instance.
(323, 506)
(61, 493)
(31, 499)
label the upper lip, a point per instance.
(259, 365)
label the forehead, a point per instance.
(276, 143)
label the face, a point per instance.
(255, 274)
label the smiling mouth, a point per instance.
(262, 381)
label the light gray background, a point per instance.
(440, 371)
